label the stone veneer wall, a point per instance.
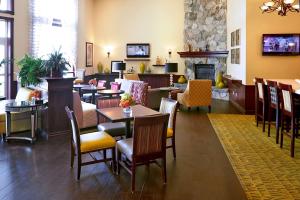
(204, 24)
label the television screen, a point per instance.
(138, 50)
(281, 44)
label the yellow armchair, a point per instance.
(198, 93)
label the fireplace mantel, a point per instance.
(203, 54)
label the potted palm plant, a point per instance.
(56, 64)
(30, 70)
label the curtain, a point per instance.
(53, 26)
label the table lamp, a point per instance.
(169, 68)
(120, 67)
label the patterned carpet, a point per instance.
(264, 170)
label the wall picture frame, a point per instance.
(232, 53)
(233, 39)
(237, 37)
(112, 64)
(89, 54)
(237, 56)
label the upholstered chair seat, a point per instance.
(96, 140)
(114, 129)
(170, 133)
(126, 147)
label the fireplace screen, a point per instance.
(205, 71)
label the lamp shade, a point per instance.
(119, 66)
(171, 67)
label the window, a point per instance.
(53, 27)
(6, 53)
(7, 6)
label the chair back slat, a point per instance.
(169, 106)
(106, 103)
(259, 82)
(273, 94)
(74, 125)
(287, 99)
(149, 136)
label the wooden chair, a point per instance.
(147, 145)
(289, 115)
(170, 106)
(89, 143)
(260, 102)
(116, 129)
(274, 105)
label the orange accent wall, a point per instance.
(277, 67)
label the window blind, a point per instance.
(53, 26)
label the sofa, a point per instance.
(20, 121)
(153, 96)
(85, 113)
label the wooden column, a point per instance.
(60, 94)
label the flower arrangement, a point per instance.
(35, 94)
(93, 82)
(127, 100)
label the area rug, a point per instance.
(264, 169)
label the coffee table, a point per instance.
(116, 114)
(18, 107)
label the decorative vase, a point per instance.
(142, 67)
(106, 70)
(219, 80)
(100, 68)
(181, 80)
(127, 110)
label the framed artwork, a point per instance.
(89, 54)
(233, 40)
(237, 37)
(237, 56)
(232, 53)
(112, 64)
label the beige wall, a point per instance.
(158, 22)
(85, 31)
(269, 66)
(236, 19)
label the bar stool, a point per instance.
(260, 102)
(289, 115)
(274, 105)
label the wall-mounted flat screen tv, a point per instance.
(138, 50)
(281, 44)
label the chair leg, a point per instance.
(174, 147)
(79, 166)
(269, 121)
(164, 170)
(209, 109)
(72, 155)
(264, 119)
(113, 155)
(277, 126)
(133, 177)
(118, 161)
(293, 139)
(281, 132)
(104, 154)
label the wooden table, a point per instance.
(295, 83)
(78, 87)
(93, 90)
(116, 114)
(110, 93)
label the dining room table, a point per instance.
(117, 114)
(93, 90)
(111, 93)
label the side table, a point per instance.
(18, 107)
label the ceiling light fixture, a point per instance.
(282, 6)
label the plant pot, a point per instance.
(56, 74)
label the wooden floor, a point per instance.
(201, 171)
